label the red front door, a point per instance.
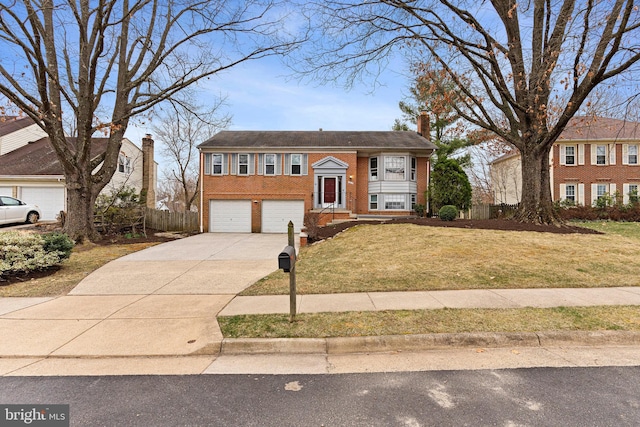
(329, 190)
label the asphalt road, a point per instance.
(607, 396)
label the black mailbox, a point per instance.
(287, 259)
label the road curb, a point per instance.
(373, 344)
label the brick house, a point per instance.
(593, 157)
(257, 181)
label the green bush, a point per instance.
(24, 252)
(448, 213)
(58, 242)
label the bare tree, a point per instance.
(525, 68)
(182, 127)
(102, 62)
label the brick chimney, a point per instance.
(424, 128)
(148, 193)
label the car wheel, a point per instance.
(33, 217)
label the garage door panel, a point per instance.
(6, 191)
(276, 215)
(50, 200)
(230, 216)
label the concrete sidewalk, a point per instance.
(481, 298)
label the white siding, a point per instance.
(20, 138)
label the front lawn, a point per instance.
(407, 257)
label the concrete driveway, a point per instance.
(204, 264)
(161, 301)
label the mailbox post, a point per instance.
(287, 262)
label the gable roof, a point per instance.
(10, 124)
(39, 158)
(586, 128)
(318, 139)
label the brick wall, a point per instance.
(589, 174)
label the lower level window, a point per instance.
(602, 190)
(570, 193)
(373, 201)
(394, 201)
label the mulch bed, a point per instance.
(485, 224)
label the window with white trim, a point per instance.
(216, 164)
(414, 201)
(413, 168)
(373, 169)
(569, 155)
(601, 190)
(394, 167)
(633, 193)
(269, 164)
(570, 192)
(243, 164)
(124, 164)
(373, 201)
(601, 155)
(394, 201)
(632, 155)
(296, 164)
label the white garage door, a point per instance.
(50, 200)
(6, 191)
(230, 216)
(276, 215)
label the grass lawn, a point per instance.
(403, 322)
(407, 257)
(84, 259)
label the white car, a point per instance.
(13, 211)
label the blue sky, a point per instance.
(261, 97)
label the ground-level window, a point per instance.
(633, 193)
(414, 201)
(601, 190)
(394, 201)
(373, 201)
(570, 192)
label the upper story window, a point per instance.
(124, 164)
(601, 155)
(570, 155)
(373, 169)
(296, 164)
(413, 168)
(269, 164)
(243, 164)
(632, 155)
(216, 164)
(394, 168)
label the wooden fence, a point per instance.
(171, 221)
(486, 211)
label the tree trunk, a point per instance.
(80, 201)
(536, 205)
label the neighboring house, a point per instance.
(257, 181)
(593, 157)
(18, 131)
(30, 171)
